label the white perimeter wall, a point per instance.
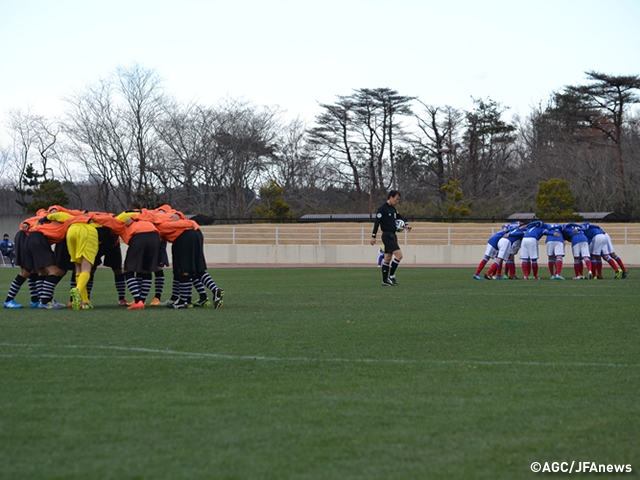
(462, 255)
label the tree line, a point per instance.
(124, 142)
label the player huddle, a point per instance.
(590, 246)
(83, 240)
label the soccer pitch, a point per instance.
(323, 373)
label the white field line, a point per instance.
(166, 354)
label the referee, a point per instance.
(386, 219)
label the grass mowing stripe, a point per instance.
(167, 354)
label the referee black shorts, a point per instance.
(390, 242)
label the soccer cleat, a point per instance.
(553, 277)
(526, 277)
(34, 304)
(76, 300)
(139, 305)
(182, 305)
(50, 306)
(578, 277)
(392, 281)
(55, 302)
(387, 284)
(488, 277)
(535, 278)
(625, 273)
(203, 302)
(86, 306)
(477, 277)
(496, 277)
(599, 277)
(12, 304)
(123, 302)
(618, 274)
(590, 276)
(559, 277)
(155, 302)
(217, 298)
(515, 277)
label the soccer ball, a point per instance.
(399, 225)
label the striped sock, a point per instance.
(185, 289)
(159, 283)
(15, 287)
(33, 287)
(145, 286)
(133, 284)
(199, 286)
(48, 288)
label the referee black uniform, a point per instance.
(386, 220)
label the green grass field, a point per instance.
(322, 373)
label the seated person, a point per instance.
(8, 250)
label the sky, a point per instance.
(298, 54)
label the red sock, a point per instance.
(526, 268)
(551, 266)
(559, 266)
(492, 269)
(576, 268)
(589, 266)
(481, 266)
(619, 262)
(534, 265)
(613, 263)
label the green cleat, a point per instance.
(76, 300)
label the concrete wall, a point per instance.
(461, 255)
(10, 224)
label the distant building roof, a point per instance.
(337, 217)
(602, 216)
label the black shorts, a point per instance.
(142, 254)
(109, 252)
(163, 258)
(19, 241)
(187, 253)
(38, 253)
(390, 241)
(63, 259)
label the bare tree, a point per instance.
(437, 144)
(111, 129)
(333, 140)
(35, 139)
(601, 106)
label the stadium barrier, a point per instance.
(329, 243)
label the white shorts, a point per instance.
(515, 246)
(490, 252)
(504, 248)
(555, 249)
(598, 245)
(580, 250)
(609, 248)
(529, 249)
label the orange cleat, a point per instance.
(139, 305)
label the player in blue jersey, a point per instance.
(529, 253)
(492, 248)
(554, 242)
(507, 247)
(580, 250)
(599, 249)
